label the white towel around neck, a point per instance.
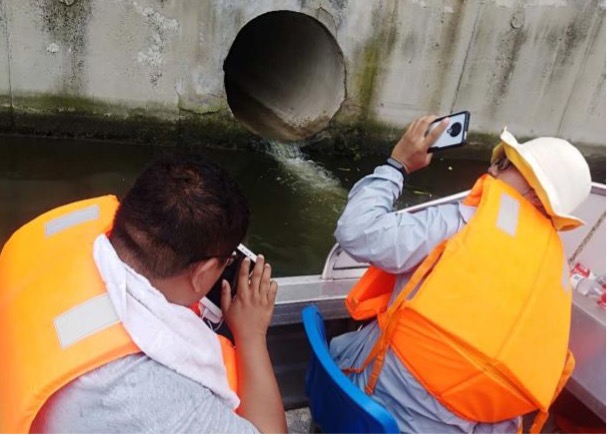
(168, 333)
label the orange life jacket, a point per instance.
(57, 321)
(487, 331)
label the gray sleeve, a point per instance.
(371, 231)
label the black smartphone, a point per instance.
(212, 301)
(455, 134)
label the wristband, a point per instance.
(394, 163)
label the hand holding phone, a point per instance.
(456, 133)
(412, 149)
(249, 314)
(212, 301)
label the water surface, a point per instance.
(295, 199)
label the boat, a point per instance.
(289, 347)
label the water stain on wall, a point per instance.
(565, 44)
(508, 49)
(451, 25)
(66, 22)
(161, 27)
(572, 36)
(6, 103)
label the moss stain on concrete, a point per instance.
(374, 53)
(70, 116)
(358, 132)
(67, 116)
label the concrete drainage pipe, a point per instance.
(284, 76)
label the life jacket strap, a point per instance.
(541, 417)
(419, 275)
(389, 320)
(539, 422)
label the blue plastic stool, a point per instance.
(337, 405)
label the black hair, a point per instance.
(181, 209)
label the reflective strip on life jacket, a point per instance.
(487, 332)
(84, 320)
(56, 318)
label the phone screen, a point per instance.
(231, 274)
(455, 134)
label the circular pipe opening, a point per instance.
(284, 76)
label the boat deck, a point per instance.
(567, 416)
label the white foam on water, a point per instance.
(304, 173)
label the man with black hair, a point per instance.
(172, 237)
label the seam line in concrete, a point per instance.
(466, 58)
(592, 39)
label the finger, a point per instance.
(265, 279)
(428, 159)
(410, 127)
(436, 132)
(273, 291)
(423, 125)
(257, 272)
(243, 289)
(225, 296)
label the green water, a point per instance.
(295, 199)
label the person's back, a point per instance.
(136, 394)
(132, 355)
(371, 232)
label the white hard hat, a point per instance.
(555, 169)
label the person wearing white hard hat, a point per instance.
(556, 172)
(469, 302)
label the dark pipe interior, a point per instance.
(284, 76)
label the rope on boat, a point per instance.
(585, 240)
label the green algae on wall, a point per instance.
(368, 75)
(375, 53)
(217, 130)
(69, 116)
(6, 112)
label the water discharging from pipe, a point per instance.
(306, 175)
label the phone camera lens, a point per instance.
(454, 129)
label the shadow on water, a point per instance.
(295, 199)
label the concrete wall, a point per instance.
(537, 66)
(5, 87)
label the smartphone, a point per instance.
(455, 134)
(210, 305)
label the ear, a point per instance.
(200, 276)
(536, 201)
(534, 198)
